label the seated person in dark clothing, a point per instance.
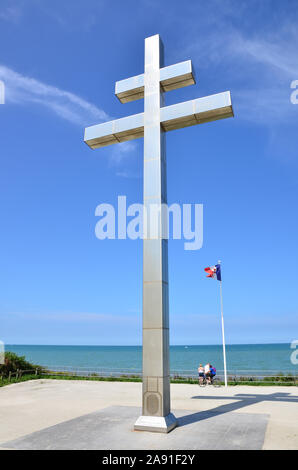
(212, 372)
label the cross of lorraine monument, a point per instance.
(152, 125)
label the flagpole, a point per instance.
(223, 333)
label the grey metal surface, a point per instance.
(152, 124)
(113, 132)
(199, 111)
(112, 428)
(156, 354)
(171, 78)
(176, 116)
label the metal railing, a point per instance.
(256, 376)
(19, 373)
(240, 376)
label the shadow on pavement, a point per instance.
(241, 401)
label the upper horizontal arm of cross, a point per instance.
(171, 78)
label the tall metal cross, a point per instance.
(152, 125)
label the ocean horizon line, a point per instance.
(140, 345)
(248, 356)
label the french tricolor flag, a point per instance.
(214, 272)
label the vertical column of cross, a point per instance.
(156, 380)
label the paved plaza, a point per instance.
(65, 414)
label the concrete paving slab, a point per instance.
(112, 428)
(28, 407)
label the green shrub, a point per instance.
(13, 363)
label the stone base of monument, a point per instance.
(156, 423)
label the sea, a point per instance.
(184, 359)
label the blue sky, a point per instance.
(59, 62)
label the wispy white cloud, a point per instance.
(24, 90)
(128, 174)
(266, 106)
(20, 89)
(259, 63)
(280, 57)
(269, 66)
(11, 14)
(122, 154)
